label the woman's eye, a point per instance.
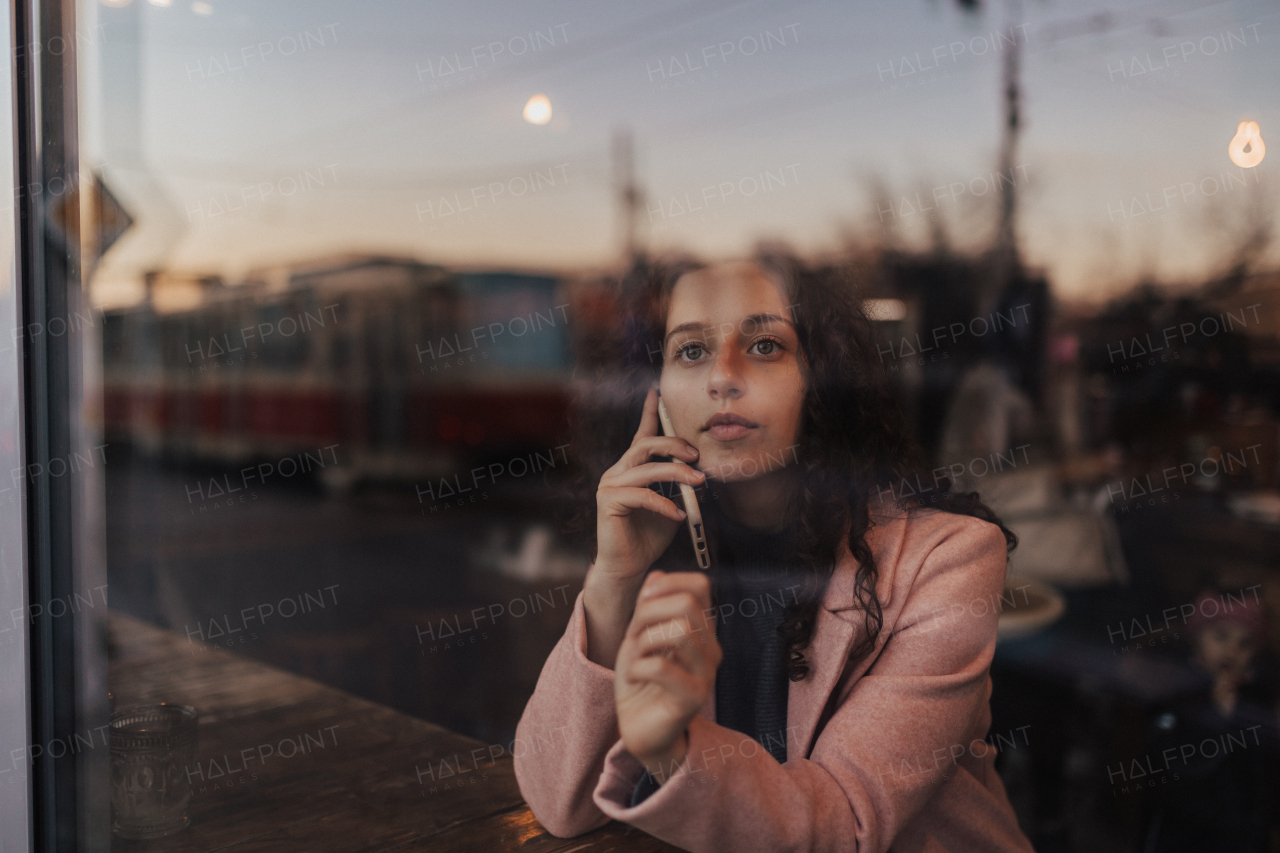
(691, 352)
(765, 347)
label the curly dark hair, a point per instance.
(854, 445)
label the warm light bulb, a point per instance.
(1247, 148)
(538, 110)
(884, 310)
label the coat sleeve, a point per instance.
(901, 732)
(567, 727)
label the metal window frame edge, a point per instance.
(58, 514)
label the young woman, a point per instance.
(825, 686)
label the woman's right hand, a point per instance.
(635, 524)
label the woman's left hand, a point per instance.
(665, 668)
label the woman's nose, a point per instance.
(725, 381)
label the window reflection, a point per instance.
(366, 257)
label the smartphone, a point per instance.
(697, 531)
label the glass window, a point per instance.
(371, 299)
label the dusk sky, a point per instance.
(364, 127)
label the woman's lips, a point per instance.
(725, 426)
(728, 432)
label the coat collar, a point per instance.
(838, 626)
(885, 539)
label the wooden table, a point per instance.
(289, 764)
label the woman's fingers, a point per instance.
(677, 626)
(621, 501)
(648, 416)
(696, 651)
(659, 583)
(651, 612)
(689, 689)
(657, 472)
(643, 449)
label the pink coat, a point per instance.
(877, 755)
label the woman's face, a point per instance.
(731, 371)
